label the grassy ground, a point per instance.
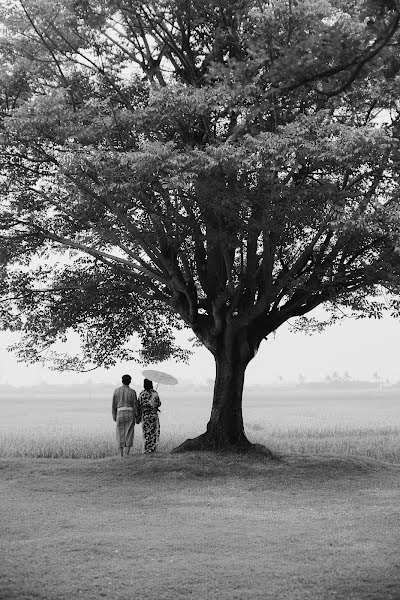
(74, 441)
(321, 523)
(358, 423)
(199, 527)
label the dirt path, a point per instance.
(173, 527)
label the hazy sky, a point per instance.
(361, 347)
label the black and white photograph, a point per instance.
(199, 299)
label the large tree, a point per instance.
(222, 165)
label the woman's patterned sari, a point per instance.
(149, 402)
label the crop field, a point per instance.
(322, 522)
(341, 422)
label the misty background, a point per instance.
(333, 383)
(363, 350)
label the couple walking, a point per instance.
(127, 410)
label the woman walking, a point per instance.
(149, 403)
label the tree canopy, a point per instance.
(218, 165)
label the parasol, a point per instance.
(159, 377)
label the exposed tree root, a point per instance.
(207, 443)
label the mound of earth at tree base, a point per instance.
(206, 443)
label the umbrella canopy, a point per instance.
(160, 377)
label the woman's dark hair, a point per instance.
(148, 385)
(126, 379)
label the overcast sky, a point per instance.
(361, 347)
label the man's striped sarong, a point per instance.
(125, 427)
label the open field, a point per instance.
(57, 441)
(199, 527)
(360, 423)
(320, 524)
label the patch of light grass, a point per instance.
(56, 442)
(85, 441)
(379, 442)
(74, 441)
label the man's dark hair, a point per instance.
(148, 385)
(126, 379)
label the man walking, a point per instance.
(124, 412)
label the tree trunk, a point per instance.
(225, 430)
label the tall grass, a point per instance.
(382, 443)
(83, 441)
(364, 423)
(76, 441)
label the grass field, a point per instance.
(320, 523)
(199, 527)
(363, 423)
